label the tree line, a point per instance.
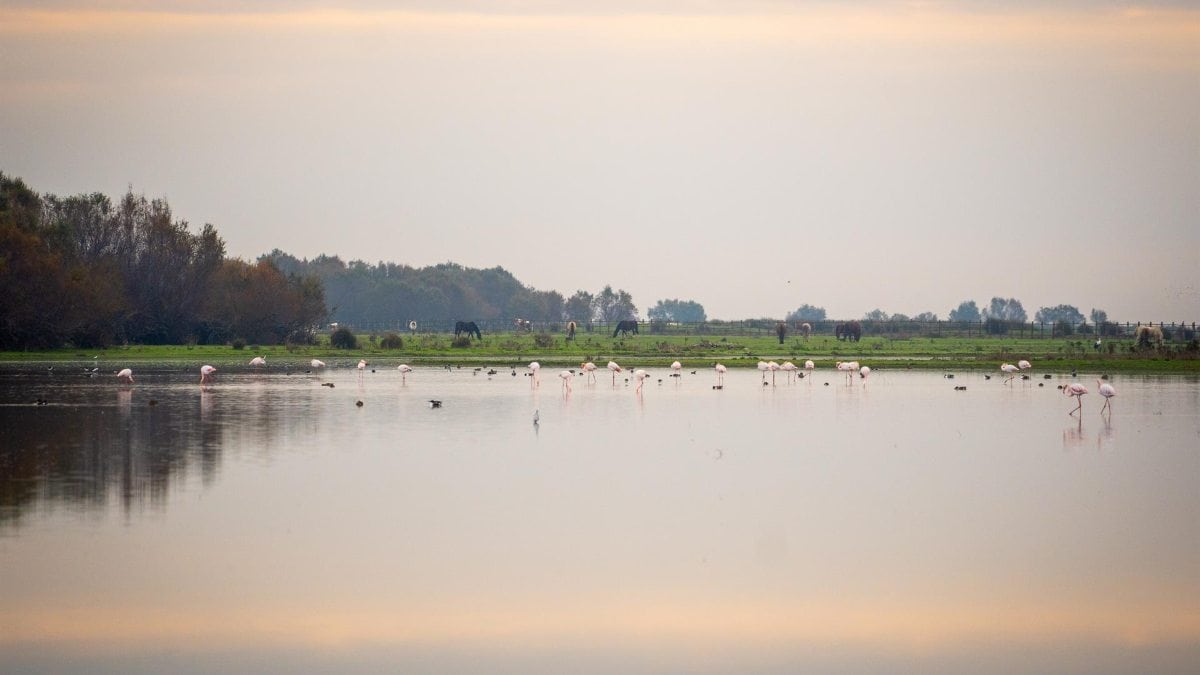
(85, 271)
(998, 315)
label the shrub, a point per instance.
(391, 341)
(239, 343)
(460, 341)
(543, 340)
(342, 338)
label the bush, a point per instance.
(239, 343)
(461, 341)
(342, 338)
(543, 340)
(391, 341)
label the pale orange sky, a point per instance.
(957, 150)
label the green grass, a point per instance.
(984, 353)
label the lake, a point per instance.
(268, 523)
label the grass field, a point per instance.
(983, 353)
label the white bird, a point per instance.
(763, 368)
(316, 363)
(1077, 390)
(125, 375)
(1011, 370)
(258, 361)
(864, 372)
(774, 368)
(1024, 365)
(362, 365)
(566, 376)
(206, 374)
(404, 369)
(789, 368)
(590, 369)
(675, 368)
(1107, 391)
(640, 375)
(721, 369)
(612, 366)
(534, 367)
(808, 367)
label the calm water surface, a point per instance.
(267, 523)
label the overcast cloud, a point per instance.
(751, 156)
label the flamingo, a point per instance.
(789, 368)
(404, 369)
(720, 374)
(863, 373)
(675, 368)
(774, 368)
(258, 361)
(566, 376)
(362, 365)
(1024, 365)
(1077, 390)
(1010, 369)
(808, 367)
(763, 368)
(316, 363)
(125, 375)
(206, 374)
(590, 369)
(640, 375)
(534, 367)
(1107, 391)
(612, 365)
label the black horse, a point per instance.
(467, 327)
(849, 330)
(626, 327)
(781, 331)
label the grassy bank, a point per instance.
(982, 353)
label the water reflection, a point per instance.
(904, 526)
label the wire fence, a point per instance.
(850, 329)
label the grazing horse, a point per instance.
(781, 331)
(570, 330)
(523, 324)
(848, 330)
(806, 330)
(628, 326)
(1148, 336)
(467, 327)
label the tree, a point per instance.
(1099, 316)
(686, 311)
(876, 315)
(926, 317)
(612, 306)
(1005, 309)
(1059, 314)
(967, 311)
(579, 307)
(807, 313)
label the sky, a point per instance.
(750, 155)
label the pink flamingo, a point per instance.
(808, 367)
(612, 365)
(590, 369)
(1107, 391)
(720, 374)
(763, 368)
(404, 369)
(1077, 390)
(640, 375)
(258, 361)
(1011, 370)
(863, 373)
(316, 364)
(789, 368)
(534, 367)
(566, 376)
(675, 368)
(125, 375)
(206, 374)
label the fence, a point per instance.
(1181, 331)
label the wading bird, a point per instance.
(590, 369)
(720, 374)
(206, 374)
(612, 365)
(316, 363)
(258, 361)
(1011, 370)
(404, 369)
(125, 375)
(566, 376)
(675, 368)
(863, 373)
(789, 368)
(1107, 391)
(808, 367)
(1077, 390)
(534, 367)
(640, 375)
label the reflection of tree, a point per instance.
(115, 446)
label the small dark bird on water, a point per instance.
(327, 384)
(961, 388)
(434, 404)
(358, 403)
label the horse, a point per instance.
(467, 327)
(805, 330)
(628, 326)
(1148, 336)
(848, 330)
(570, 330)
(523, 324)
(781, 331)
